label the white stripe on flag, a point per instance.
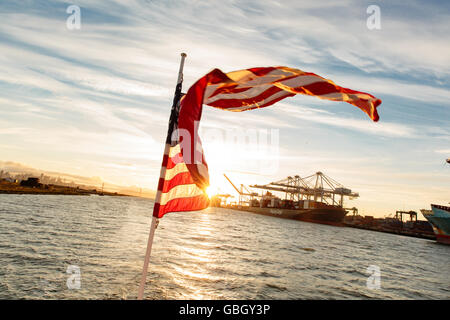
(179, 168)
(180, 191)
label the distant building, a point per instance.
(31, 182)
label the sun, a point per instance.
(211, 191)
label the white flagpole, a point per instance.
(158, 197)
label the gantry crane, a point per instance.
(317, 187)
(241, 191)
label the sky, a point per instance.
(95, 101)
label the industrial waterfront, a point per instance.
(318, 198)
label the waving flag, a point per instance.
(261, 87)
(250, 89)
(177, 188)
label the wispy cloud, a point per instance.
(364, 126)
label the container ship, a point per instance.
(316, 198)
(439, 218)
(315, 212)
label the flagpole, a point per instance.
(158, 192)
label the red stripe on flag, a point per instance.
(183, 204)
(173, 161)
(228, 89)
(260, 72)
(179, 179)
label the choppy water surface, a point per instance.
(214, 254)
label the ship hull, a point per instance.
(441, 238)
(440, 220)
(330, 216)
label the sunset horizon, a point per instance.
(90, 110)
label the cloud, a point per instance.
(365, 126)
(443, 151)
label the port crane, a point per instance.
(241, 190)
(412, 215)
(317, 187)
(354, 209)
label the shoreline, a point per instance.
(65, 193)
(397, 232)
(15, 188)
(400, 232)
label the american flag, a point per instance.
(178, 190)
(185, 172)
(261, 87)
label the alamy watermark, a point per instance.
(374, 280)
(73, 22)
(74, 280)
(258, 149)
(374, 19)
